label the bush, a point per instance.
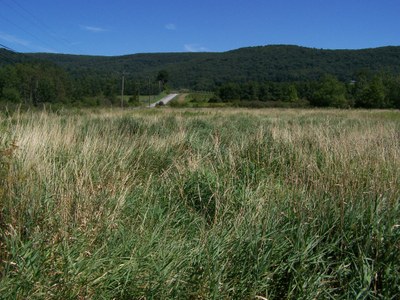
(134, 101)
(215, 99)
(11, 95)
(177, 103)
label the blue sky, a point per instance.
(123, 27)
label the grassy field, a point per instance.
(200, 204)
(153, 98)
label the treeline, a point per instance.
(367, 90)
(205, 71)
(33, 83)
(36, 83)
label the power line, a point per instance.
(24, 30)
(7, 48)
(17, 55)
(4, 56)
(27, 32)
(35, 20)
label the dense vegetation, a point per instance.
(340, 78)
(367, 90)
(204, 71)
(231, 204)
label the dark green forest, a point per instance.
(252, 76)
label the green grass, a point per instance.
(194, 99)
(200, 204)
(153, 98)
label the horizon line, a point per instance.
(202, 52)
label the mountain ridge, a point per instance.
(205, 70)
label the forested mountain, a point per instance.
(281, 63)
(341, 78)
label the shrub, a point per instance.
(11, 95)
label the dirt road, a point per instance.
(164, 100)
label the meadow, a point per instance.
(200, 204)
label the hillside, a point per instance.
(368, 78)
(205, 70)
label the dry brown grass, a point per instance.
(163, 203)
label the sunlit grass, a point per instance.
(279, 204)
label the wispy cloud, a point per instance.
(170, 26)
(195, 48)
(46, 50)
(93, 28)
(13, 39)
(9, 38)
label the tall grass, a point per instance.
(274, 204)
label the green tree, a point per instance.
(370, 92)
(289, 93)
(276, 91)
(330, 92)
(249, 91)
(393, 91)
(163, 76)
(229, 92)
(377, 93)
(10, 94)
(264, 93)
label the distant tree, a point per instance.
(370, 92)
(264, 93)
(9, 82)
(163, 76)
(229, 92)
(10, 94)
(305, 90)
(361, 89)
(276, 91)
(249, 91)
(109, 89)
(45, 91)
(393, 91)
(289, 93)
(34, 83)
(330, 92)
(377, 92)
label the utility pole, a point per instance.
(122, 91)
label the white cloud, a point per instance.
(13, 39)
(25, 43)
(93, 29)
(195, 48)
(170, 26)
(46, 50)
